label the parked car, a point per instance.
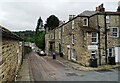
(42, 53)
(38, 51)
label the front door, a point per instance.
(68, 54)
(51, 47)
(59, 47)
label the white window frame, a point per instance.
(93, 53)
(85, 23)
(73, 54)
(107, 19)
(94, 37)
(108, 50)
(73, 39)
(63, 28)
(115, 32)
(59, 35)
(73, 23)
(52, 36)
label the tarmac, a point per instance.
(25, 73)
(77, 66)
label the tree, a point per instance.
(40, 40)
(118, 10)
(40, 35)
(39, 25)
(52, 22)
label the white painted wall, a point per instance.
(117, 54)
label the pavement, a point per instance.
(24, 71)
(77, 66)
(25, 74)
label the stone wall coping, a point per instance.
(7, 34)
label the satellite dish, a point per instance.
(119, 3)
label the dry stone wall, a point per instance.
(11, 59)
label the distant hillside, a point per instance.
(28, 35)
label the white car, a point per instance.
(42, 52)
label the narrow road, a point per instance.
(44, 68)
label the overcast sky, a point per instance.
(20, 15)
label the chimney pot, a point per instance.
(71, 17)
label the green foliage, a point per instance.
(52, 22)
(40, 35)
(40, 40)
(28, 36)
(39, 25)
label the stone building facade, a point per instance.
(91, 34)
(11, 55)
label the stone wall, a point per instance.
(10, 57)
(82, 37)
(58, 40)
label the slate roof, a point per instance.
(88, 13)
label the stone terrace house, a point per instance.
(10, 55)
(91, 34)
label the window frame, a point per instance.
(73, 54)
(73, 39)
(93, 52)
(73, 23)
(51, 36)
(59, 35)
(85, 24)
(108, 19)
(108, 50)
(94, 37)
(117, 33)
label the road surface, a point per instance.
(44, 68)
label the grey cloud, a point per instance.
(23, 15)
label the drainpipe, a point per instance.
(99, 49)
(105, 38)
(99, 45)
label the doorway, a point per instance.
(51, 47)
(68, 54)
(59, 48)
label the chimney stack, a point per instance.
(100, 8)
(118, 10)
(71, 17)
